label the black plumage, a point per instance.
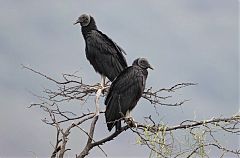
(125, 91)
(104, 55)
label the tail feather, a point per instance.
(117, 124)
(112, 114)
(110, 126)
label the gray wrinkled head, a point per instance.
(84, 20)
(143, 63)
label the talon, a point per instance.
(135, 124)
(130, 122)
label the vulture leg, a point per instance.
(128, 116)
(103, 81)
(129, 120)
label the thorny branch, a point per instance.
(159, 138)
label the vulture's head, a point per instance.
(84, 20)
(143, 63)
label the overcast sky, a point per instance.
(185, 41)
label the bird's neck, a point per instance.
(145, 73)
(87, 29)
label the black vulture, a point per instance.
(125, 91)
(104, 55)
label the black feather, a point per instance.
(124, 93)
(104, 55)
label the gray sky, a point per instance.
(185, 41)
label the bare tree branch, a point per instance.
(158, 137)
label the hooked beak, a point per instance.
(76, 22)
(150, 67)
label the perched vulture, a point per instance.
(125, 91)
(104, 55)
